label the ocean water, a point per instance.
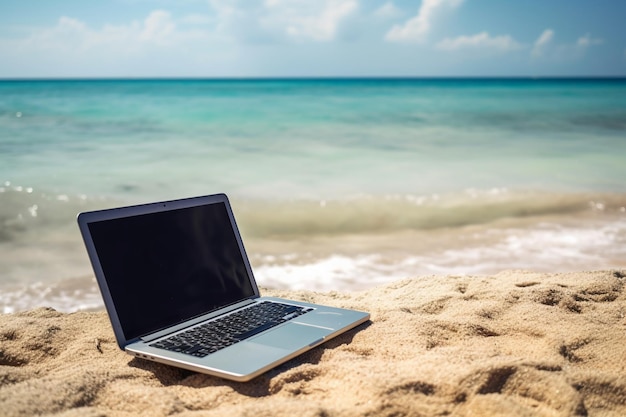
(337, 184)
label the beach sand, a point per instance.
(513, 344)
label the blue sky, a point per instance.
(276, 38)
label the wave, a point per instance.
(381, 214)
(68, 295)
(24, 210)
(348, 243)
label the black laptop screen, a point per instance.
(164, 268)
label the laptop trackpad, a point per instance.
(292, 336)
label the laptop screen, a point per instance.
(167, 267)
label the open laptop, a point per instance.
(179, 289)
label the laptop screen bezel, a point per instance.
(86, 218)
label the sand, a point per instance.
(513, 344)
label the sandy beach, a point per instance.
(516, 343)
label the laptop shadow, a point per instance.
(258, 387)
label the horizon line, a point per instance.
(318, 78)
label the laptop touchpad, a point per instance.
(292, 336)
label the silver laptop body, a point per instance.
(171, 269)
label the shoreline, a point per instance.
(347, 245)
(514, 343)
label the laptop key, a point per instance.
(256, 330)
(193, 349)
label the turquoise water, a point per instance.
(139, 139)
(337, 184)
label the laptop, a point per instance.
(179, 290)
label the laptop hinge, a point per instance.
(172, 329)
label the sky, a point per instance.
(311, 38)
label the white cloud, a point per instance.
(67, 32)
(480, 40)
(157, 27)
(542, 42)
(233, 37)
(233, 20)
(417, 28)
(197, 19)
(587, 40)
(545, 37)
(307, 20)
(387, 10)
(261, 20)
(545, 47)
(67, 24)
(224, 31)
(154, 46)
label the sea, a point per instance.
(337, 184)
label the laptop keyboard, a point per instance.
(210, 337)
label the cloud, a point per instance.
(221, 33)
(542, 42)
(67, 24)
(417, 28)
(67, 32)
(387, 10)
(307, 20)
(587, 40)
(236, 22)
(242, 37)
(155, 45)
(280, 20)
(480, 40)
(157, 28)
(545, 47)
(197, 19)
